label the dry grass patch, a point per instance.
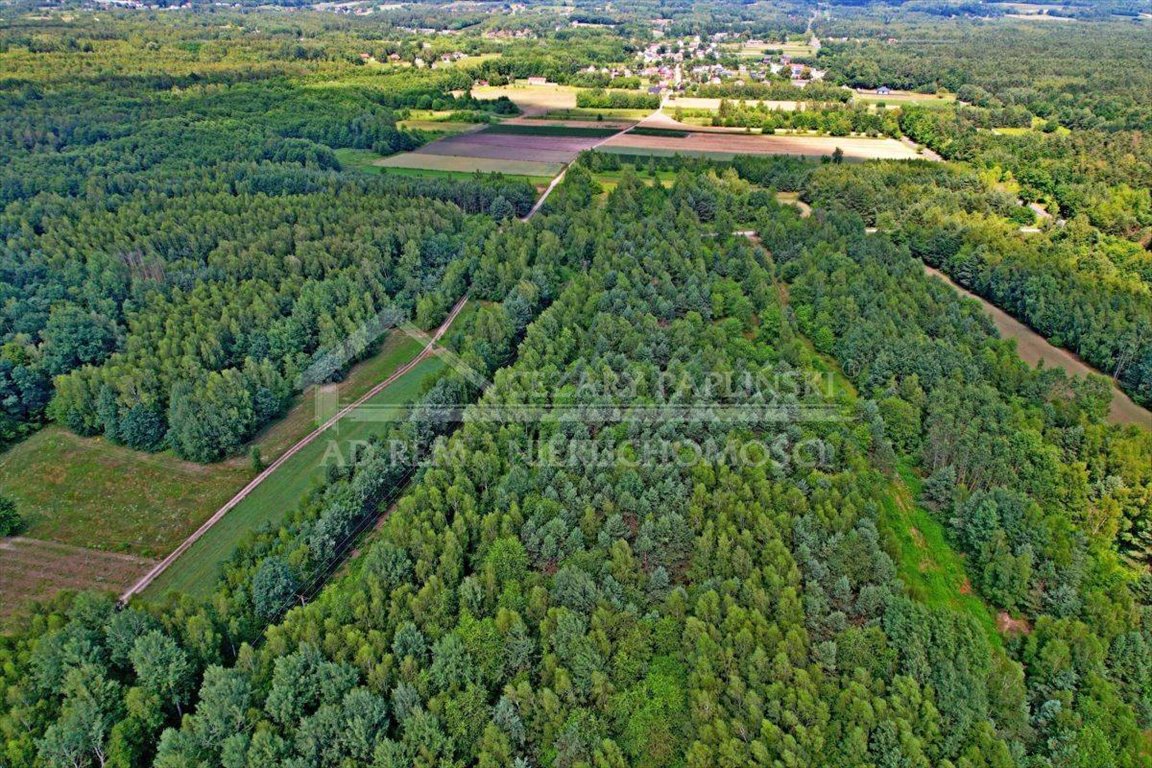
(31, 569)
(532, 99)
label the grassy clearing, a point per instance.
(34, 570)
(198, 570)
(926, 563)
(87, 492)
(438, 126)
(906, 99)
(933, 572)
(793, 199)
(608, 180)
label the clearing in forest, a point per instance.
(933, 571)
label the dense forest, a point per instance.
(708, 481)
(675, 610)
(1055, 121)
(175, 253)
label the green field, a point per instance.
(906, 99)
(437, 126)
(87, 492)
(197, 571)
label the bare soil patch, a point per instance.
(532, 99)
(510, 146)
(1010, 626)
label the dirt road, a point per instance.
(163, 565)
(1032, 348)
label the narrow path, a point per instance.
(163, 565)
(925, 153)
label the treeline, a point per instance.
(598, 98)
(660, 609)
(832, 120)
(816, 91)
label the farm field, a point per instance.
(532, 99)
(504, 146)
(197, 570)
(514, 150)
(453, 164)
(438, 126)
(727, 145)
(31, 569)
(553, 129)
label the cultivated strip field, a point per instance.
(31, 569)
(457, 164)
(507, 146)
(727, 145)
(517, 150)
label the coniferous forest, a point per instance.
(715, 473)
